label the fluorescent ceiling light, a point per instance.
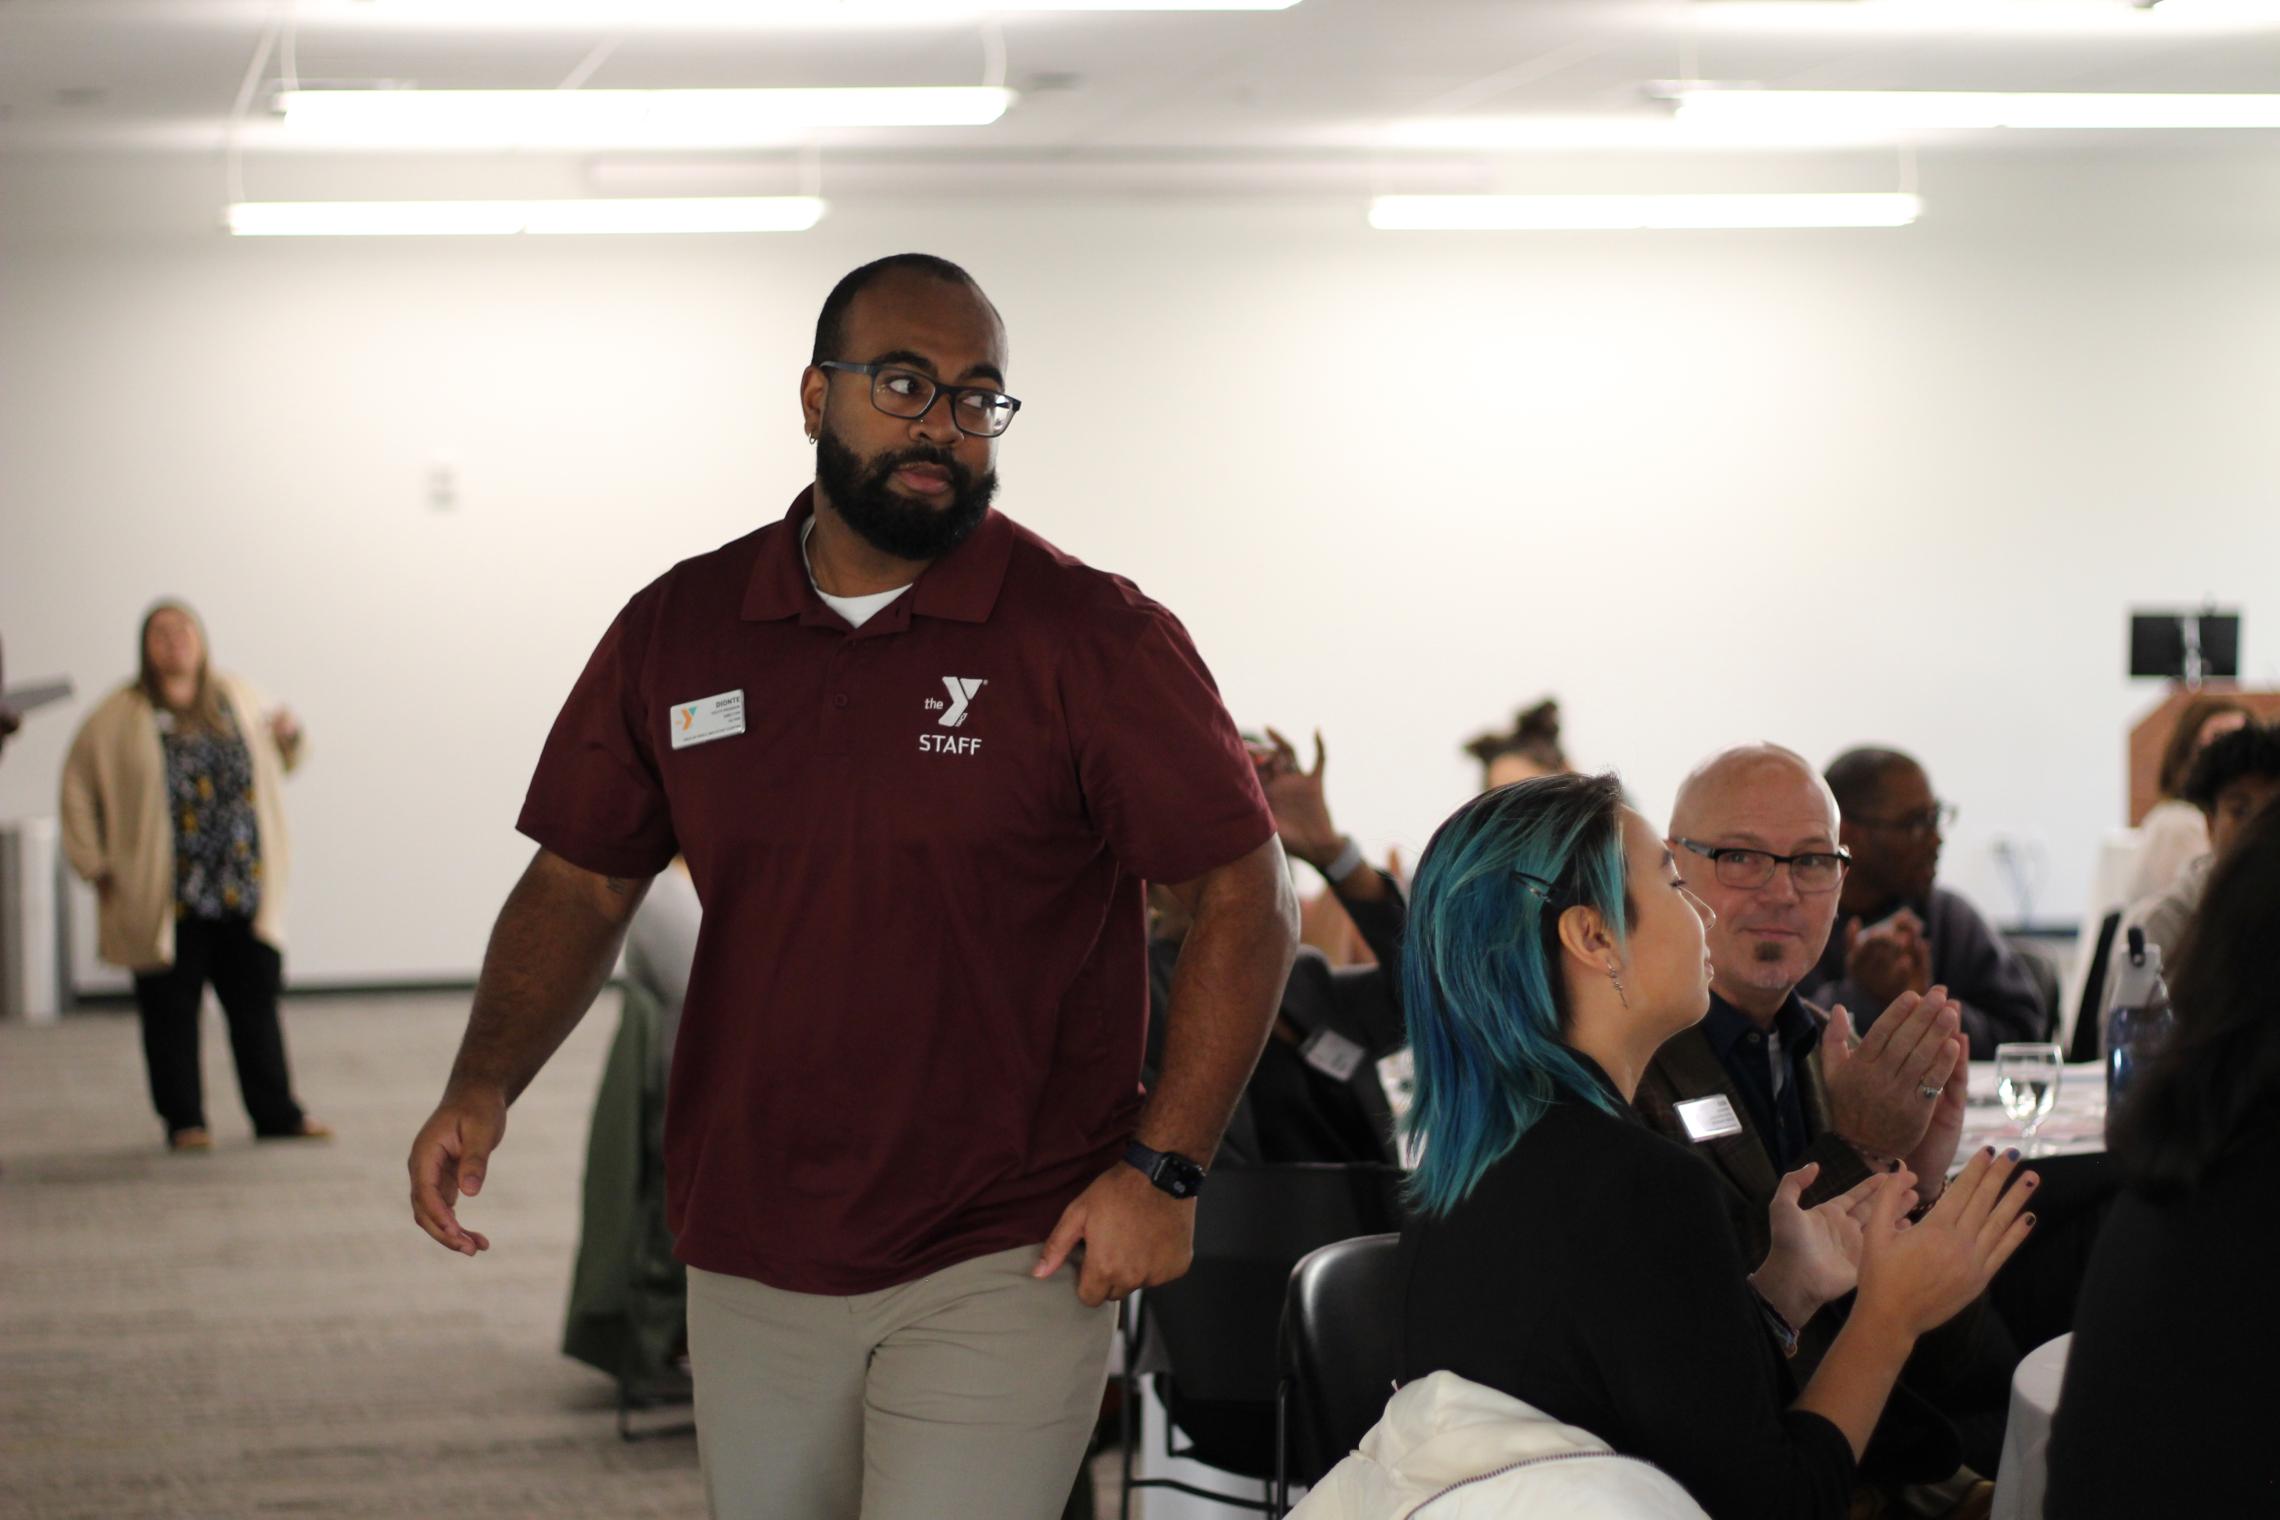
(1825, 111)
(755, 213)
(1963, 18)
(1659, 131)
(718, 15)
(1573, 213)
(618, 118)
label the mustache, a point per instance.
(942, 459)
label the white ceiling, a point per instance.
(1328, 80)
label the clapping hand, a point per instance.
(1815, 1254)
(1886, 1089)
(1889, 958)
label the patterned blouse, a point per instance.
(217, 844)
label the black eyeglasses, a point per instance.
(1917, 825)
(979, 411)
(1745, 870)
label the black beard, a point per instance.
(894, 524)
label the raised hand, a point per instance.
(1301, 809)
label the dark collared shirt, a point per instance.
(914, 1025)
(1768, 1070)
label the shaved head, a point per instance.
(1766, 938)
(1711, 788)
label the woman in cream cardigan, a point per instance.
(172, 808)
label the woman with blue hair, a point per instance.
(1563, 1253)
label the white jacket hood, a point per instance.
(1448, 1449)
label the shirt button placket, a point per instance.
(835, 700)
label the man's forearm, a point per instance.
(1232, 970)
(549, 955)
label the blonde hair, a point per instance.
(205, 709)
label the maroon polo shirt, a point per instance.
(914, 1028)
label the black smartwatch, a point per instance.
(1169, 1170)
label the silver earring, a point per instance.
(1618, 981)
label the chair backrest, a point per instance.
(1341, 1348)
(1217, 1323)
(2082, 1040)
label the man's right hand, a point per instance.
(449, 1156)
(1876, 1087)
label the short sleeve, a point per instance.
(597, 799)
(1165, 775)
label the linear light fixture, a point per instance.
(1817, 112)
(619, 118)
(661, 214)
(1964, 18)
(1615, 213)
(718, 15)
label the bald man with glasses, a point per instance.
(1769, 1085)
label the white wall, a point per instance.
(1825, 487)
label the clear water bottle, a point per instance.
(2138, 1024)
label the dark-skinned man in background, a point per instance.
(1901, 932)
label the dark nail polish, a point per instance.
(2030, 1221)
(2011, 1155)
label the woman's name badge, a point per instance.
(1709, 1118)
(700, 722)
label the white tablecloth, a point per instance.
(2077, 1122)
(2020, 1486)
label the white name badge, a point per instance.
(701, 722)
(1332, 1054)
(1709, 1118)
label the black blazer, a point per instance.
(1916, 1440)
(1594, 1273)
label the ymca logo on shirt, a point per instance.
(962, 690)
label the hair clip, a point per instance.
(1535, 884)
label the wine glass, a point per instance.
(2026, 1079)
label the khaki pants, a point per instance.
(968, 1393)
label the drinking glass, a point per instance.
(2026, 1079)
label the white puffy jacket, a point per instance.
(1448, 1449)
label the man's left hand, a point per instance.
(1135, 1236)
(1935, 1153)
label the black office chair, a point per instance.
(1340, 1352)
(1216, 1327)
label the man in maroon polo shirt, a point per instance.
(921, 764)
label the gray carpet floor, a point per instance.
(261, 1330)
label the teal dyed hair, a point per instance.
(1480, 969)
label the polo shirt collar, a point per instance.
(962, 586)
(1725, 1025)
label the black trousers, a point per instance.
(246, 975)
